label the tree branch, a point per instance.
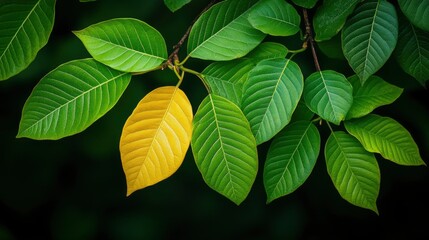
(310, 39)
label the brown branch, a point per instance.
(310, 39)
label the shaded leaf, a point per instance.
(175, 5)
(417, 12)
(156, 137)
(267, 50)
(305, 3)
(302, 112)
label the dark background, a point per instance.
(74, 188)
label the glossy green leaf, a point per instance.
(291, 159)
(385, 136)
(374, 93)
(267, 50)
(417, 12)
(175, 5)
(125, 44)
(331, 16)
(353, 171)
(270, 96)
(70, 98)
(305, 3)
(25, 27)
(329, 95)
(224, 148)
(275, 17)
(369, 37)
(412, 51)
(223, 32)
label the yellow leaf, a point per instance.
(156, 137)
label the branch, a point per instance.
(310, 39)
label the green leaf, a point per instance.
(302, 112)
(385, 136)
(374, 93)
(412, 51)
(270, 96)
(417, 12)
(267, 50)
(330, 17)
(332, 48)
(354, 171)
(305, 3)
(70, 98)
(291, 159)
(25, 27)
(223, 32)
(275, 17)
(329, 95)
(224, 148)
(369, 37)
(125, 44)
(175, 5)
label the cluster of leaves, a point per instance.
(256, 92)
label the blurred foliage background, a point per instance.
(74, 188)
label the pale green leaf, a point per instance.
(375, 92)
(175, 5)
(369, 37)
(125, 44)
(417, 12)
(385, 136)
(328, 94)
(224, 148)
(270, 96)
(223, 32)
(25, 27)
(353, 171)
(70, 98)
(290, 159)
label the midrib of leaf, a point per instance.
(370, 36)
(418, 45)
(329, 94)
(280, 20)
(72, 100)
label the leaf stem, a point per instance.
(309, 39)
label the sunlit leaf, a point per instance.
(329, 95)
(224, 148)
(125, 44)
(70, 98)
(156, 137)
(175, 5)
(25, 27)
(369, 37)
(375, 92)
(270, 96)
(385, 136)
(354, 171)
(290, 159)
(417, 12)
(223, 32)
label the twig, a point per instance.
(310, 39)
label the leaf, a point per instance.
(412, 51)
(224, 148)
(270, 96)
(329, 95)
(369, 37)
(385, 136)
(125, 44)
(302, 112)
(175, 5)
(70, 98)
(275, 17)
(374, 93)
(156, 137)
(25, 27)
(267, 50)
(305, 3)
(290, 159)
(417, 12)
(223, 32)
(354, 171)
(331, 16)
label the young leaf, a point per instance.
(156, 137)
(375, 92)
(270, 96)
(290, 159)
(305, 3)
(175, 5)
(412, 51)
(385, 136)
(275, 17)
(125, 44)
(329, 95)
(369, 37)
(223, 32)
(330, 17)
(224, 148)
(70, 98)
(25, 27)
(417, 12)
(354, 171)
